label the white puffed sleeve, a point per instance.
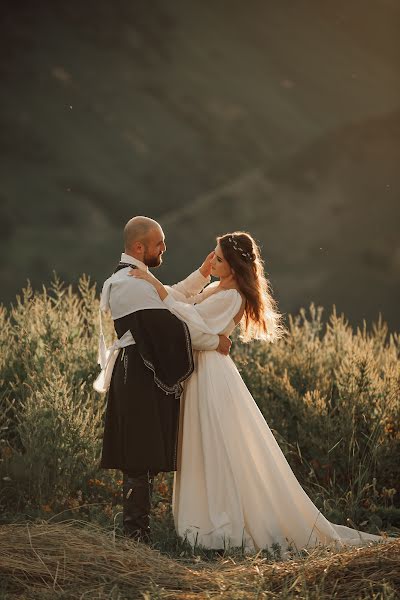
(213, 315)
(192, 285)
(197, 298)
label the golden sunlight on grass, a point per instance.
(69, 560)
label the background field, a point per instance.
(280, 118)
(330, 395)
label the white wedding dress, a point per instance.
(234, 486)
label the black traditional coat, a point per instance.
(142, 416)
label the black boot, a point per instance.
(137, 490)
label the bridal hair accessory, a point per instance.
(247, 255)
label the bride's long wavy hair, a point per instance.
(262, 320)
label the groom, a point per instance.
(144, 371)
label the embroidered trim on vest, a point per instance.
(176, 389)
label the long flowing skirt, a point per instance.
(234, 486)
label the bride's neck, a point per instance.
(228, 283)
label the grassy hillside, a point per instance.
(279, 118)
(330, 395)
(327, 218)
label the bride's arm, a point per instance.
(194, 283)
(163, 290)
(149, 277)
(212, 316)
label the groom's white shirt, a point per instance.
(123, 295)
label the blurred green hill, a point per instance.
(279, 118)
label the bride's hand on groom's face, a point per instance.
(205, 268)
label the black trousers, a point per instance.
(137, 493)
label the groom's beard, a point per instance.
(152, 261)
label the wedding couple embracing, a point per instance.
(176, 401)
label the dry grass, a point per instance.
(68, 560)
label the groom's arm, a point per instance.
(203, 341)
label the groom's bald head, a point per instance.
(144, 239)
(137, 230)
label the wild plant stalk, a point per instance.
(330, 394)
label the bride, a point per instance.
(233, 486)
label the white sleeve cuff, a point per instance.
(205, 279)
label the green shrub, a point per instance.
(51, 416)
(330, 394)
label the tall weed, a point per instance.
(330, 394)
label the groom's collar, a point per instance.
(127, 258)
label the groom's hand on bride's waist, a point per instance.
(224, 345)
